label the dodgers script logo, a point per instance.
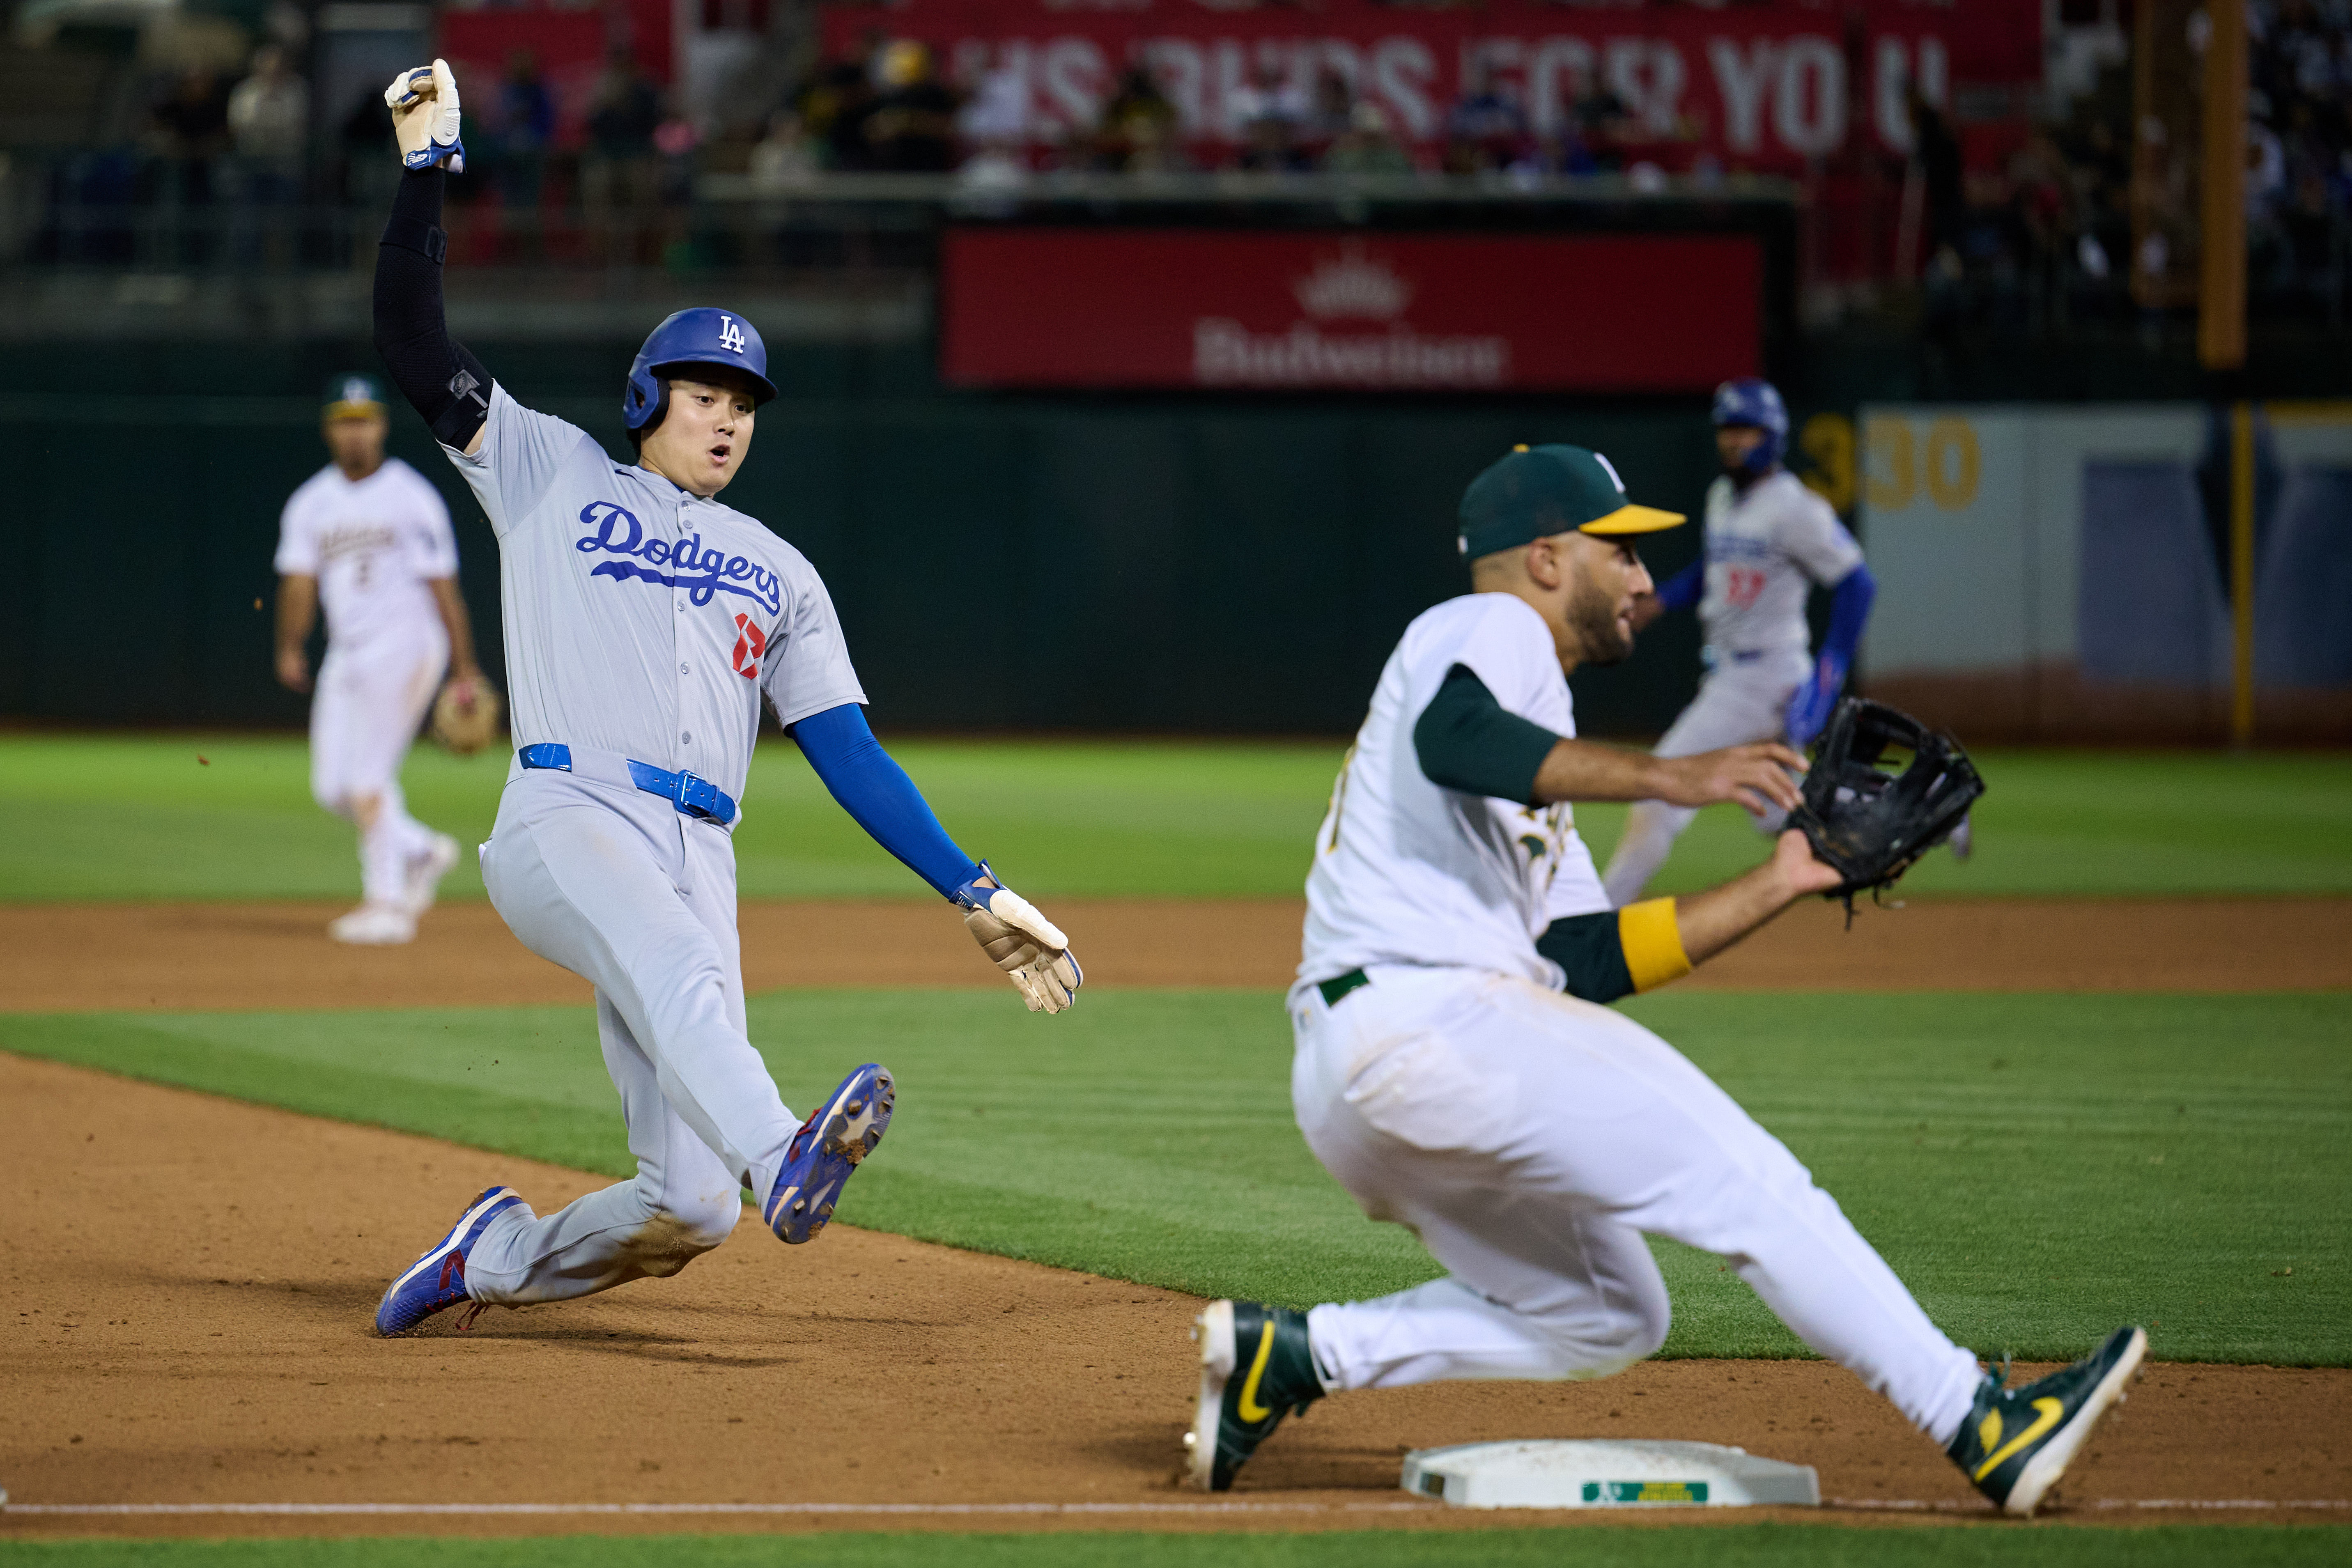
(703, 571)
(731, 336)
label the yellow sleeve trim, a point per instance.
(1652, 943)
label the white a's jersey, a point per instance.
(372, 544)
(1764, 551)
(641, 618)
(1408, 872)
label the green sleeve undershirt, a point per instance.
(1467, 740)
(1591, 950)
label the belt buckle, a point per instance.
(696, 796)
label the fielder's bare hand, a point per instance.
(1798, 869)
(1760, 777)
(293, 669)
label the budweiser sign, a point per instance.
(1041, 307)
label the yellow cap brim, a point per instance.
(355, 411)
(1634, 520)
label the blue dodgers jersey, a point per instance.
(641, 618)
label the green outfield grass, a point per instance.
(143, 817)
(2038, 1168)
(1720, 1545)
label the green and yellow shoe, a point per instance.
(2017, 1442)
(1255, 1369)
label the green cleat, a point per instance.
(2016, 1442)
(1255, 1369)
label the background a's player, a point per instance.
(1768, 540)
(368, 537)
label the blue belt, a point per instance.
(693, 795)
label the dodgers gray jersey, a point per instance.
(1764, 551)
(641, 618)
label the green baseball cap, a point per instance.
(1534, 492)
(354, 396)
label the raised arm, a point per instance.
(441, 380)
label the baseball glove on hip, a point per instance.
(1869, 819)
(465, 716)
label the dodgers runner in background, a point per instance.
(644, 623)
(1530, 1138)
(368, 539)
(1769, 540)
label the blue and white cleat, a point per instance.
(828, 1147)
(437, 1281)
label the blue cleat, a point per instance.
(438, 1280)
(825, 1150)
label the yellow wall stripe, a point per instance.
(1652, 943)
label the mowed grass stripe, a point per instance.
(191, 818)
(2037, 1168)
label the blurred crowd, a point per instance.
(891, 107)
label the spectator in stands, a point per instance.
(526, 129)
(1138, 127)
(190, 129)
(912, 128)
(617, 169)
(1270, 111)
(994, 124)
(1331, 114)
(1485, 127)
(268, 122)
(1938, 153)
(787, 156)
(1366, 147)
(837, 108)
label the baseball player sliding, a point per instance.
(1768, 540)
(368, 538)
(1530, 1138)
(644, 623)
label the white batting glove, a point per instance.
(1027, 946)
(423, 104)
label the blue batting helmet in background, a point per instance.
(1755, 402)
(701, 336)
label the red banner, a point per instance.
(1761, 87)
(1134, 307)
(567, 48)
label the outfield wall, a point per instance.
(2064, 573)
(1172, 563)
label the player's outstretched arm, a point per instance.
(1712, 921)
(298, 607)
(1465, 740)
(876, 791)
(443, 382)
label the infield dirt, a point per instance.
(188, 1320)
(76, 957)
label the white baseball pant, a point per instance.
(1529, 1139)
(1737, 703)
(364, 714)
(640, 901)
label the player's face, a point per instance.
(356, 445)
(701, 440)
(1606, 575)
(1734, 442)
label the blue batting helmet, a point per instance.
(1756, 402)
(701, 336)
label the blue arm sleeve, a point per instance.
(1849, 609)
(877, 792)
(1682, 590)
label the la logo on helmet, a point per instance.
(731, 336)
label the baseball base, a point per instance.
(1644, 1473)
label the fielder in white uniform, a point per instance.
(1769, 540)
(645, 623)
(368, 538)
(1532, 1138)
